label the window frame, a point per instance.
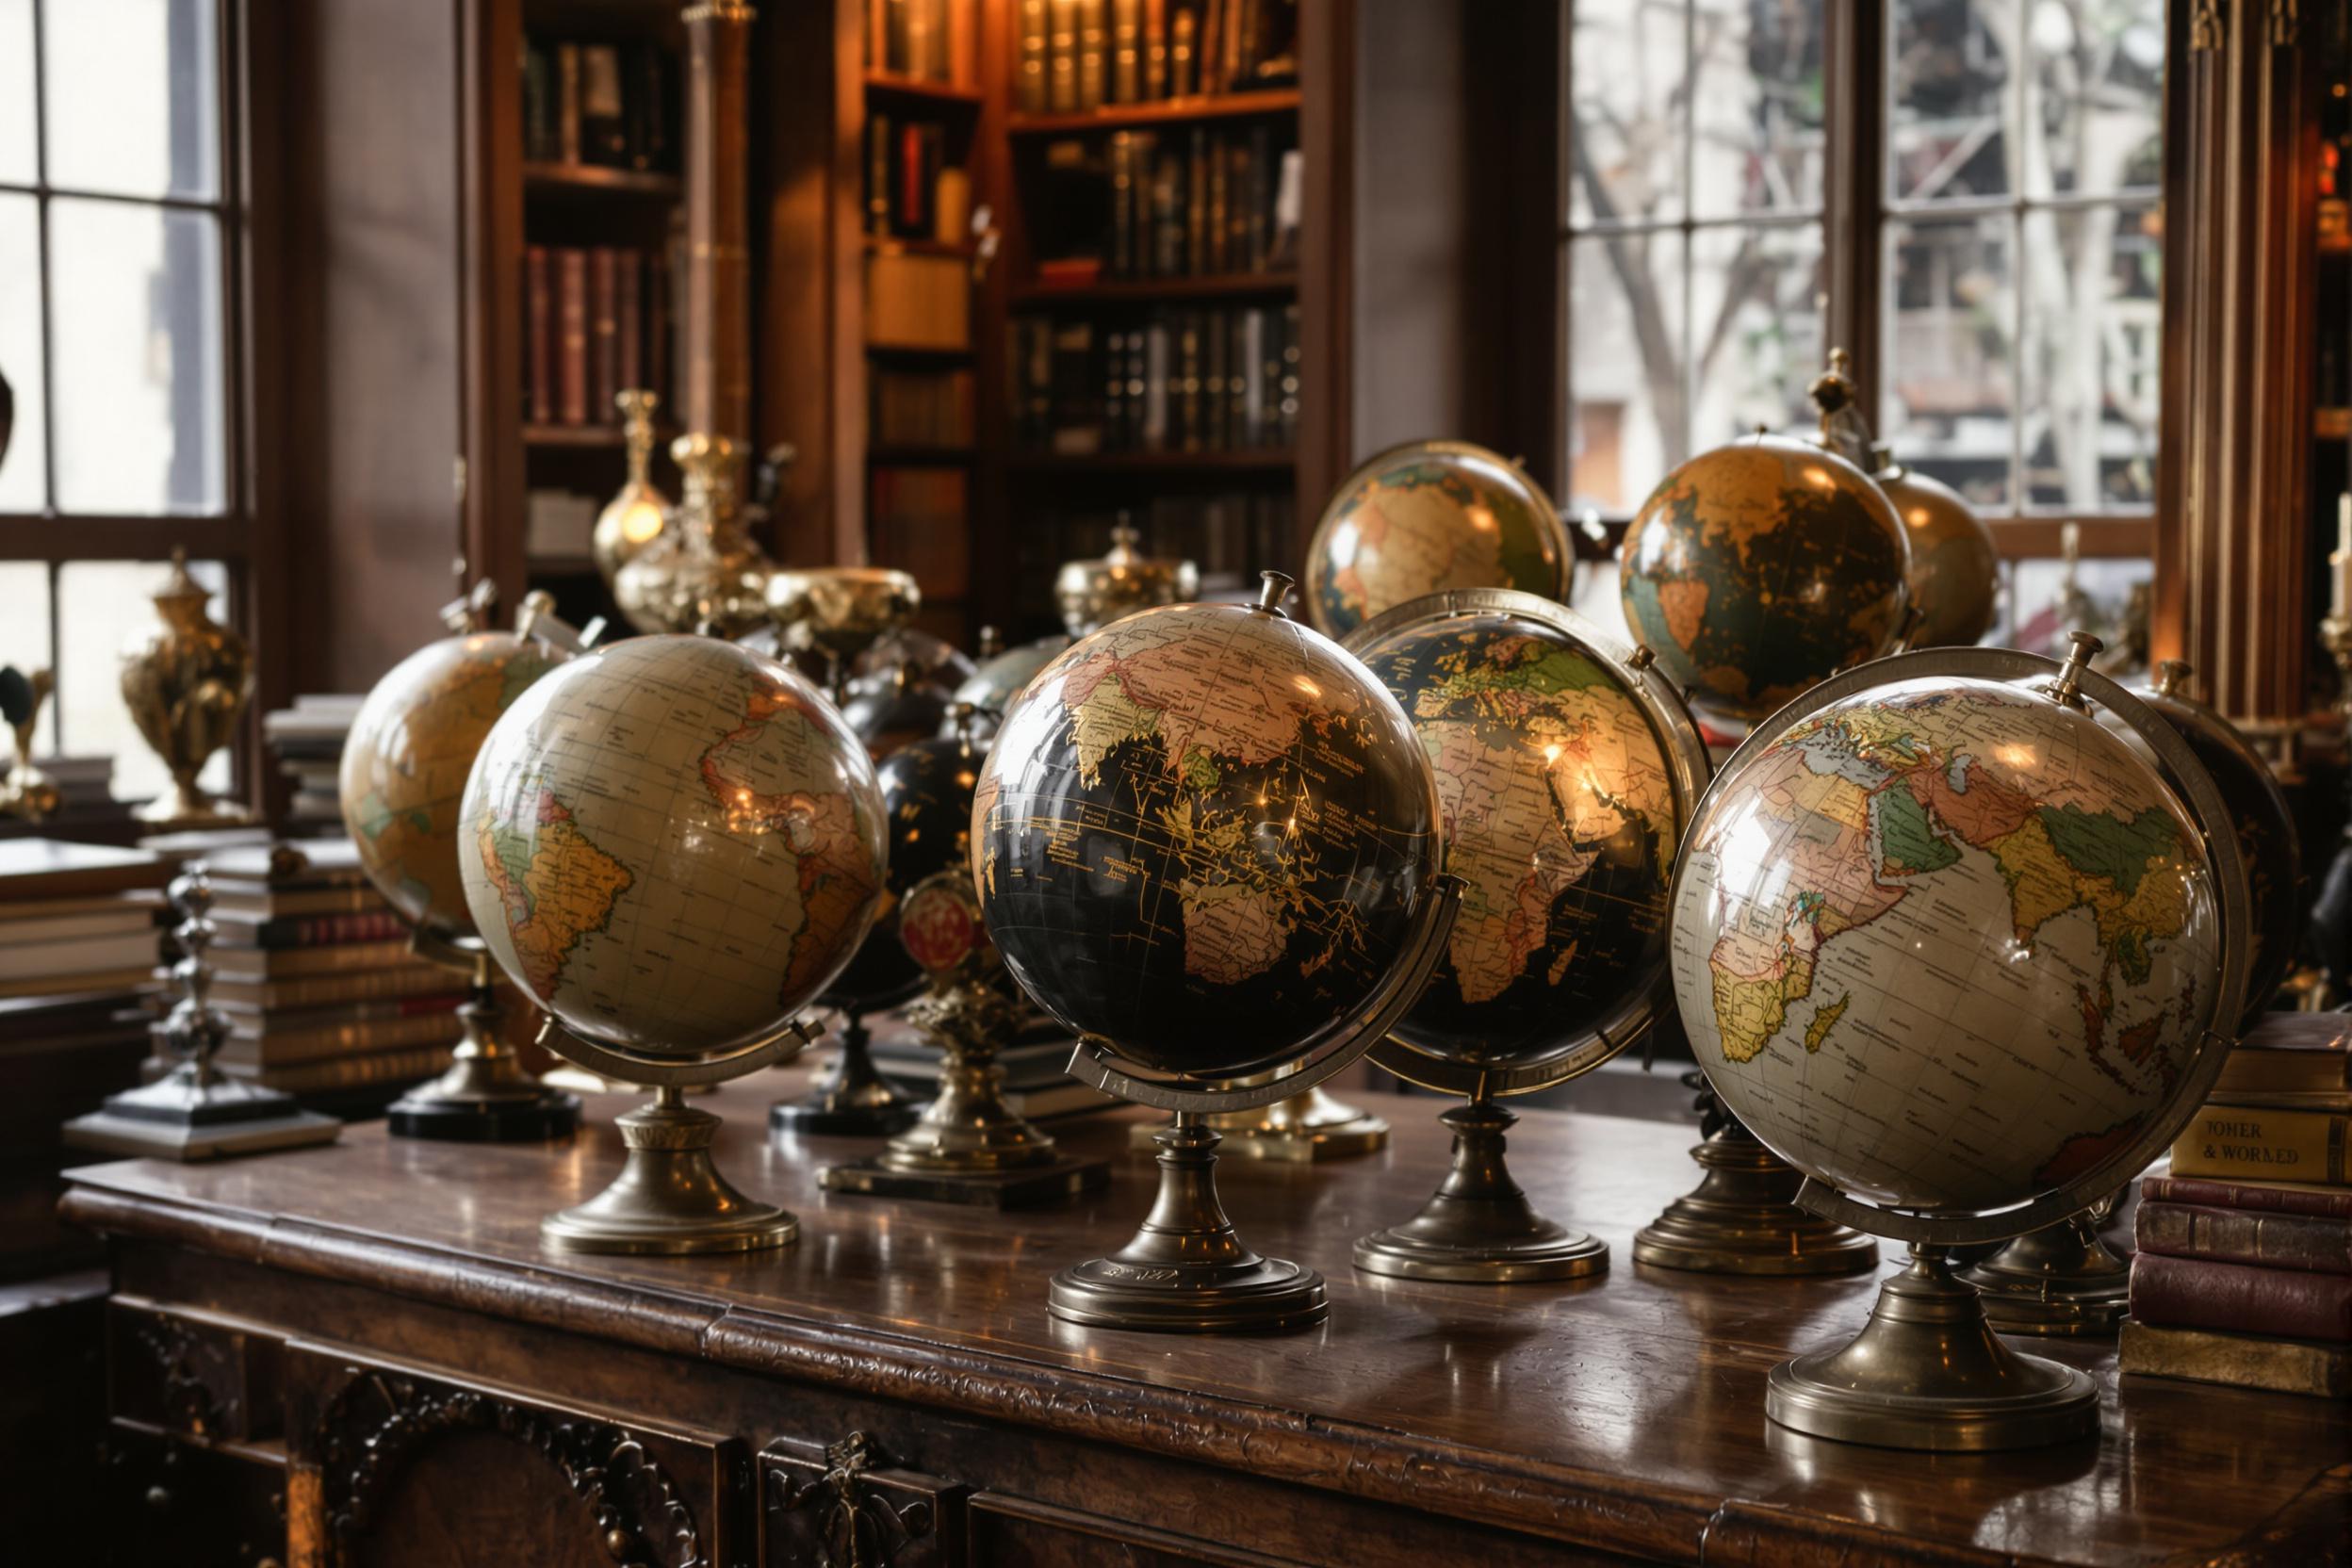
(1857, 220)
(57, 537)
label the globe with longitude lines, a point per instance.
(1948, 944)
(1204, 833)
(673, 843)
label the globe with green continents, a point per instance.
(405, 760)
(673, 843)
(1560, 818)
(1947, 943)
(1427, 516)
(1203, 833)
(1759, 569)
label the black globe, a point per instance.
(1560, 818)
(1204, 832)
(926, 812)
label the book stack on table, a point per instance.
(313, 970)
(77, 952)
(2244, 1269)
(308, 741)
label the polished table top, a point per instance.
(1624, 1411)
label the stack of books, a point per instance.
(84, 789)
(313, 970)
(1185, 204)
(2244, 1269)
(306, 739)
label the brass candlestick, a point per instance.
(969, 1145)
(185, 686)
(1742, 1217)
(25, 790)
(639, 512)
(194, 1112)
(701, 574)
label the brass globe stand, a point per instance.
(1305, 1129)
(968, 1146)
(1742, 1219)
(1479, 1227)
(2060, 1280)
(486, 1095)
(1186, 1269)
(669, 1197)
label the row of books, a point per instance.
(918, 520)
(604, 103)
(597, 320)
(2243, 1272)
(929, 41)
(1153, 204)
(1080, 55)
(306, 742)
(912, 191)
(1192, 381)
(920, 408)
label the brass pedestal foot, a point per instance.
(486, 1095)
(184, 806)
(2060, 1280)
(1741, 1219)
(668, 1198)
(969, 1145)
(1186, 1270)
(851, 1098)
(1479, 1227)
(1303, 1130)
(1928, 1372)
(191, 1114)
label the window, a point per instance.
(2012, 235)
(116, 197)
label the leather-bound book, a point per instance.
(1093, 52)
(1122, 205)
(1154, 47)
(571, 353)
(2235, 1236)
(1061, 61)
(2240, 1360)
(2263, 1143)
(2195, 1293)
(1126, 51)
(539, 319)
(604, 336)
(2263, 1197)
(568, 102)
(1029, 88)
(880, 150)
(629, 297)
(1182, 28)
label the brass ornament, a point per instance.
(1305, 1129)
(639, 512)
(839, 612)
(2060, 1280)
(26, 790)
(185, 686)
(702, 573)
(1742, 1219)
(1093, 594)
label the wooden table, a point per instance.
(373, 1329)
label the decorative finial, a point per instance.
(1274, 587)
(2085, 647)
(195, 1028)
(2172, 677)
(1640, 657)
(960, 717)
(991, 643)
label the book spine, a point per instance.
(1217, 259)
(539, 310)
(1114, 389)
(347, 1072)
(2195, 1293)
(328, 990)
(1155, 48)
(1180, 35)
(1094, 52)
(1197, 204)
(879, 150)
(434, 1027)
(323, 930)
(1122, 205)
(629, 287)
(1126, 51)
(252, 965)
(2233, 1235)
(567, 103)
(571, 360)
(1062, 57)
(538, 105)
(2239, 1195)
(2239, 1361)
(1030, 91)
(2286, 1146)
(604, 358)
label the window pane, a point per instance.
(1950, 362)
(1755, 344)
(2093, 356)
(18, 162)
(137, 328)
(1757, 107)
(104, 607)
(2094, 111)
(25, 636)
(1625, 381)
(1625, 110)
(23, 479)
(2040, 611)
(129, 96)
(1948, 106)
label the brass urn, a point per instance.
(1093, 594)
(638, 513)
(700, 574)
(186, 686)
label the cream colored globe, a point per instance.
(672, 844)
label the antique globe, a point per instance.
(1955, 570)
(1206, 841)
(673, 845)
(1967, 957)
(991, 687)
(1759, 568)
(1427, 516)
(1565, 767)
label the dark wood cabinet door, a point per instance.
(393, 1466)
(191, 1505)
(1013, 1532)
(848, 1504)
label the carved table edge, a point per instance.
(1439, 1477)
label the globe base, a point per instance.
(2059, 1280)
(669, 1197)
(1305, 1129)
(1186, 1271)
(1741, 1219)
(851, 1100)
(486, 1095)
(1479, 1227)
(1927, 1372)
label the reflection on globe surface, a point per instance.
(672, 844)
(1762, 569)
(926, 812)
(1425, 517)
(1946, 944)
(404, 765)
(991, 688)
(1204, 833)
(1560, 817)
